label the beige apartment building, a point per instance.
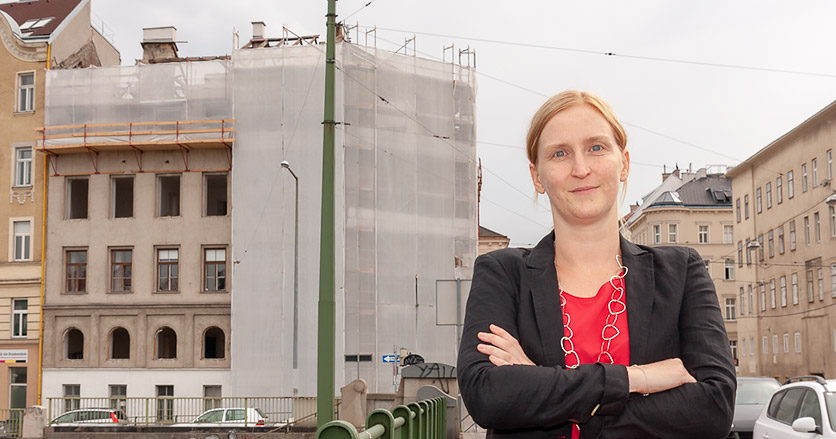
(785, 233)
(36, 36)
(490, 240)
(694, 209)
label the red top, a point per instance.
(588, 317)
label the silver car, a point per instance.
(804, 407)
(752, 395)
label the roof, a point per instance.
(484, 231)
(39, 18)
(710, 191)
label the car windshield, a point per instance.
(212, 416)
(755, 392)
(830, 401)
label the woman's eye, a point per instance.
(597, 148)
(560, 154)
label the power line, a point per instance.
(355, 12)
(612, 54)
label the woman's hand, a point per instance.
(659, 376)
(502, 348)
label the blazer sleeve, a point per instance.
(517, 396)
(697, 410)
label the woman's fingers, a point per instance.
(503, 346)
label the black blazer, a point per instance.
(672, 311)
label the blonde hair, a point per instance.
(562, 101)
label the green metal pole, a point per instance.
(327, 313)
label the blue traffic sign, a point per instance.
(391, 358)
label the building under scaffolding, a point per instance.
(405, 203)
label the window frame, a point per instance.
(737, 209)
(770, 237)
(703, 236)
(113, 180)
(793, 241)
(758, 200)
(206, 177)
(746, 206)
(114, 265)
(22, 174)
(68, 199)
(794, 285)
(159, 197)
(22, 315)
(28, 89)
(769, 195)
(790, 184)
(817, 226)
(728, 269)
(772, 303)
(728, 238)
(783, 287)
(206, 264)
(67, 264)
(814, 171)
(673, 230)
(804, 184)
(829, 155)
(779, 190)
(657, 233)
(811, 293)
(781, 246)
(158, 264)
(27, 248)
(730, 314)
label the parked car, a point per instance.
(224, 417)
(804, 407)
(752, 395)
(90, 416)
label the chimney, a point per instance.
(633, 207)
(676, 171)
(158, 44)
(665, 173)
(259, 29)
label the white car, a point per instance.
(226, 417)
(804, 407)
(90, 416)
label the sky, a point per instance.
(696, 83)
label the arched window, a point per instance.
(165, 343)
(120, 343)
(213, 343)
(73, 344)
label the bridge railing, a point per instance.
(418, 420)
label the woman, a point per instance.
(641, 352)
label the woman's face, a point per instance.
(580, 165)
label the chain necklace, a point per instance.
(615, 307)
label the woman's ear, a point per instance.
(535, 178)
(625, 169)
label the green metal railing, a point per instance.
(278, 411)
(418, 420)
(11, 422)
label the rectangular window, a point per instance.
(811, 295)
(729, 270)
(790, 185)
(731, 309)
(779, 193)
(76, 271)
(742, 301)
(733, 346)
(829, 155)
(672, 233)
(707, 264)
(657, 234)
(23, 166)
(703, 234)
(832, 280)
(820, 275)
(215, 187)
(792, 235)
(771, 293)
(765, 344)
(728, 234)
(167, 269)
(797, 342)
(748, 251)
(17, 391)
(760, 247)
(751, 301)
(803, 178)
(775, 344)
(737, 208)
(786, 343)
(214, 269)
(771, 238)
(22, 240)
(77, 198)
(168, 191)
(25, 92)
(768, 194)
(165, 403)
(212, 397)
(795, 288)
(739, 254)
(814, 165)
(783, 291)
(832, 221)
(807, 230)
(758, 200)
(817, 226)
(118, 397)
(781, 239)
(746, 206)
(121, 261)
(123, 196)
(752, 346)
(72, 393)
(20, 317)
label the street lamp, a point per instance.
(286, 165)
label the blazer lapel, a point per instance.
(640, 289)
(543, 281)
